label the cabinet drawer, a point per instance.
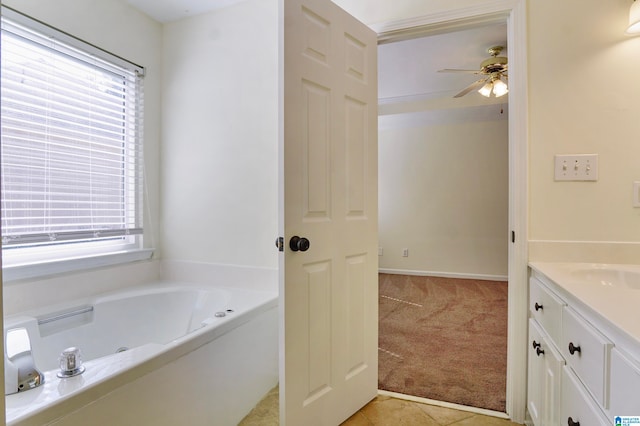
(544, 372)
(546, 308)
(577, 404)
(587, 352)
(625, 385)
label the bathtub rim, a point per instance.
(158, 354)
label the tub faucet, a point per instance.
(20, 369)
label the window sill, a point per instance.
(46, 269)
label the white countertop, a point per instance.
(611, 291)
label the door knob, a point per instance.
(299, 243)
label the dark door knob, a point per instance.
(573, 348)
(299, 243)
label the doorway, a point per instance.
(443, 216)
(514, 13)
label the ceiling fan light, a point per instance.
(634, 19)
(500, 88)
(486, 89)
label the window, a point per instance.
(71, 159)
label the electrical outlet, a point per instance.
(380, 251)
(405, 252)
(582, 167)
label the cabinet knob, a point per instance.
(571, 422)
(536, 345)
(573, 348)
(539, 351)
(538, 307)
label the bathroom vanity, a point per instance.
(584, 343)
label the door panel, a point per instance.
(329, 299)
(356, 325)
(356, 122)
(317, 173)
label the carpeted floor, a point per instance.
(444, 339)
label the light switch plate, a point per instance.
(636, 194)
(577, 167)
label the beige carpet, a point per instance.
(444, 339)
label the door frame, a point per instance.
(514, 13)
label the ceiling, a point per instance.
(410, 68)
(412, 92)
(408, 80)
(172, 10)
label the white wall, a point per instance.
(583, 98)
(572, 113)
(219, 140)
(220, 124)
(443, 193)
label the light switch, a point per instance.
(578, 167)
(636, 194)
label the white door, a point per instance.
(328, 293)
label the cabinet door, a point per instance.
(625, 385)
(535, 387)
(545, 368)
(577, 405)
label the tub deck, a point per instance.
(245, 340)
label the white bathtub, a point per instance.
(154, 355)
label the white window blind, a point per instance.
(71, 132)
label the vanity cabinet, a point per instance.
(577, 376)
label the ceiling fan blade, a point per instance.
(471, 87)
(461, 71)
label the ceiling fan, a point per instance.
(494, 75)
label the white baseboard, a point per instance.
(444, 274)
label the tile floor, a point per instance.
(383, 411)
